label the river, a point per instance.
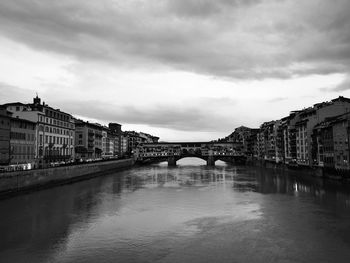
(189, 213)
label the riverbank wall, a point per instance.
(20, 181)
(319, 172)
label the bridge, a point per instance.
(174, 151)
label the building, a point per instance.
(5, 129)
(308, 119)
(116, 136)
(289, 138)
(22, 143)
(110, 144)
(148, 138)
(266, 141)
(124, 145)
(278, 141)
(331, 140)
(341, 142)
(105, 142)
(54, 130)
(245, 138)
(88, 140)
(260, 146)
(136, 138)
(133, 139)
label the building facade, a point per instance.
(308, 119)
(124, 145)
(88, 140)
(294, 139)
(5, 129)
(245, 138)
(22, 143)
(116, 136)
(331, 141)
(54, 131)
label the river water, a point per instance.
(189, 213)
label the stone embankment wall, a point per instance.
(306, 170)
(13, 182)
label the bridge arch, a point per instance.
(191, 160)
(191, 156)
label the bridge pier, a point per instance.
(211, 161)
(171, 161)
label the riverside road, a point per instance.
(189, 213)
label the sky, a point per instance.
(183, 70)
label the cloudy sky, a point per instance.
(179, 69)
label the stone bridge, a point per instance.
(174, 151)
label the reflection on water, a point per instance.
(179, 214)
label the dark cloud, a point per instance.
(186, 118)
(199, 115)
(235, 39)
(205, 8)
(343, 86)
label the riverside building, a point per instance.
(308, 119)
(88, 140)
(54, 131)
(293, 139)
(331, 141)
(135, 138)
(22, 143)
(115, 135)
(5, 129)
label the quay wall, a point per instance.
(320, 172)
(14, 182)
